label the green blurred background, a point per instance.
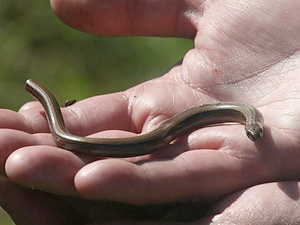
(72, 64)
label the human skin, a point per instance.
(245, 51)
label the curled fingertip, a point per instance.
(106, 180)
(45, 168)
(29, 105)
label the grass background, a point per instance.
(72, 64)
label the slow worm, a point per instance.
(167, 131)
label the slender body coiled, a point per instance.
(167, 131)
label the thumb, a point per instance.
(128, 18)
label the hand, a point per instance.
(244, 51)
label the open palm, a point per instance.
(245, 51)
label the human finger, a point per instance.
(197, 174)
(11, 140)
(85, 117)
(123, 18)
(44, 167)
(13, 120)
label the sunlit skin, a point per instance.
(245, 51)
